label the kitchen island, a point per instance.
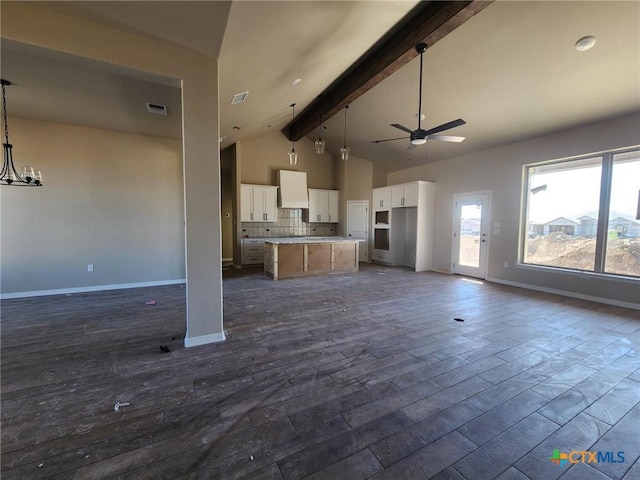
(308, 256)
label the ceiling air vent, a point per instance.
(157, 108)
(239, 98)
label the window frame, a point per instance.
(606, 178)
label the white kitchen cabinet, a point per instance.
(404, 195)
(258, 203)
(381, 198)
(404, 235)
(334, 206)
(252, 251)
(324, 206)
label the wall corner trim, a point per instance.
(564, 293)
(94, 288)
(203, 339)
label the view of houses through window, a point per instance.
(581, 214)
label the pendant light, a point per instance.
(293, 155)
(9, 176)
(344, 151)
(320, 144)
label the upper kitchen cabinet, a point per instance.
(323, 206)
(381, 198)
(405, 195)
(258, 203)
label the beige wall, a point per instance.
(111, 199)
(26, 23)
(500, 171)
(379, 176)
(355, 178)
(262, 158)
(358, 178)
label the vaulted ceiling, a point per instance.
(511, 71)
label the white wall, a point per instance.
(113, 200)
(501, 170)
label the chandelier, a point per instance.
(9, 176)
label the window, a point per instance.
(581, 214)
(622, 254)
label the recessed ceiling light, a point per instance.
(296, 82)
(585, 43)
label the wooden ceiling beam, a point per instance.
(429, 22)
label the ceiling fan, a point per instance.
(420, 136)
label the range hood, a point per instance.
(293, 189)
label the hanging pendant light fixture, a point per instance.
(320, 144)
(9, 176)
(293, 155)
(344, 151)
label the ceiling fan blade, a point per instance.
(447, 138)
(388, 139)
(411, 146)
(446, 126)
(404, 129)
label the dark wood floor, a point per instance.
(347, 377)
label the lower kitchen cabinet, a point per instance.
(252, 251)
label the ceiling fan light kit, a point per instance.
(9, 176)
(419, 136)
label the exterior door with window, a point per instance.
(471, 233)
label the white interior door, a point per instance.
(471, 233)
(358, 225)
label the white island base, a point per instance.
(309, 256)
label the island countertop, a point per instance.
(307, 240)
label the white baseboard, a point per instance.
(95, 288)
(564, 293)
(440, 271)
(204, 339)
(227, 259)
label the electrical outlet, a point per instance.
(90, 267)
(506, 264)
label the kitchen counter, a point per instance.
(308, 256)
(297, 240)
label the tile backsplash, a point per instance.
(289, 224)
